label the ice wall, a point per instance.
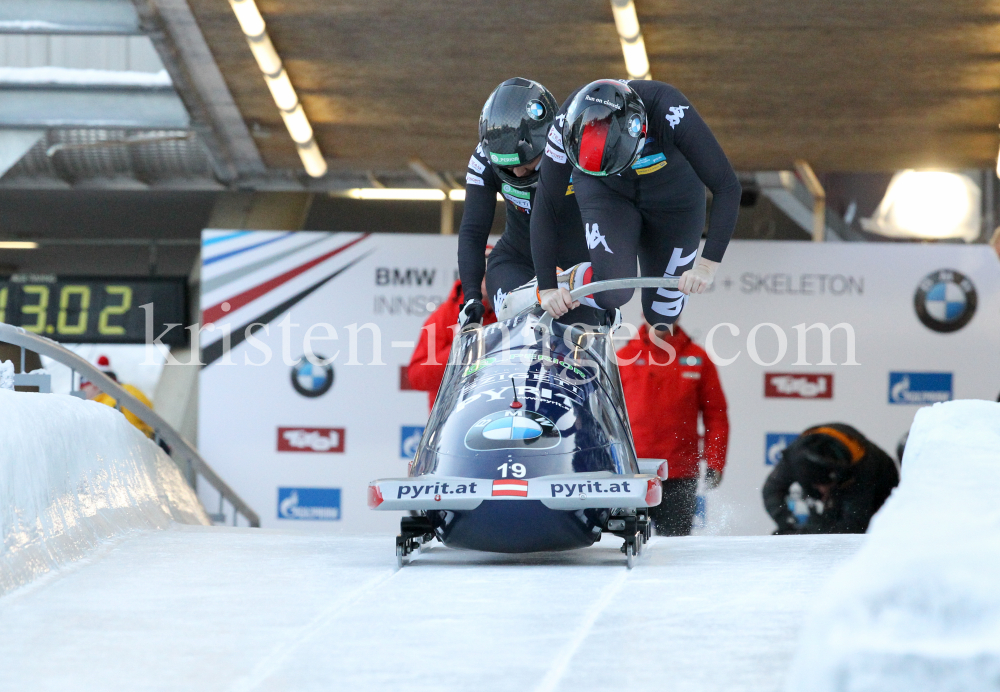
(72, 474)
(918, 608)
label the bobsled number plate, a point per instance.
(571, 491)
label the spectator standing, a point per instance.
(93, 393)
(430, 357)
(668, 381)
(837, 466)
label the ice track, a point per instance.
(199, 608)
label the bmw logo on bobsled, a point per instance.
(527, 449)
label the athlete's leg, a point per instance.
(612, 226)
(505, 271)
(668, 247)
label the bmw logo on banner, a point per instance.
(945, 300)
(512, 430)
(310, 379)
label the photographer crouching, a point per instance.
(844, 479)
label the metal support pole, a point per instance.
(815, 188)
(447, 216)
(22, 360)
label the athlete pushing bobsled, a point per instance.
(513, 126)
(528, 447)
(641, 158)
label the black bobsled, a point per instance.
(528, 447)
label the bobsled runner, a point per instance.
(528, 447)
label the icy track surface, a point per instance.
(918, 608)
(73, 474)
(222, 609)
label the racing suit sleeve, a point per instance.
(775, 492)
(693, 138)
(550, 198)
(714, 416)
(477, 220)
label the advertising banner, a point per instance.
(802, 334)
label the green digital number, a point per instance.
(114, 310)
(40, 309)
(81, 321)
(3, 304)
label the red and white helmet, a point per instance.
(605, 128)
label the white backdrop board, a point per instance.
(300, 442)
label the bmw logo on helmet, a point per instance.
(635, 125)
(310, 379)
(536, 109)
(945, 300)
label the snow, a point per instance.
(70, 76)
(214, 608)
(6, 375)
(74, 473)
(918, 608)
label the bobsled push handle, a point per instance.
(612, 285)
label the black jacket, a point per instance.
(850, 505)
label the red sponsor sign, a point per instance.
(789, 385)
(310, 439)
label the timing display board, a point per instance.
(94, 309)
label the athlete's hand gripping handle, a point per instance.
(557, 301)
(472, 312)
(698, 278)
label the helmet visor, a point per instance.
(603, 150)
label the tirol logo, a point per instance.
(919, 387)
(310, 379)
(796, 386)
(310, 439)
(505, 159)
(775, 444)
(945, 300)
(512, 430)
(409, 440)
(309, 504)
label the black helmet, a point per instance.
(605, 128)
(823, 455)
(513, 127)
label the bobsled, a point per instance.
(528, 446)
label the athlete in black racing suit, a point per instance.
(526, 109)
(642, 166)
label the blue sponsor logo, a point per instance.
(409, 439)
(775, 444)
(647, 161)
(309, 504)
(919, 387)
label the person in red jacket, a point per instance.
(428, 361)
(668, 380)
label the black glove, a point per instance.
(472, 312)
(712, 479)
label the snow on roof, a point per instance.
(68, 76)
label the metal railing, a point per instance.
(46, 347)
(545, 323)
